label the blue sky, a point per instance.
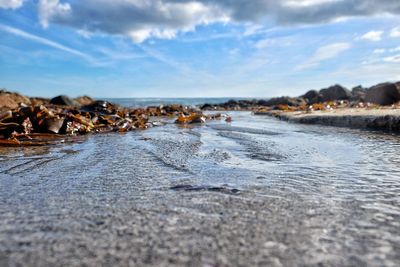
(203, 48)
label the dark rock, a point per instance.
(53, 125)
(285, 100)
(63, 100)
(262, 102)
(312, 97)
(232, 102)
(358, 89)
(206, 107)
(358, 94)
(383, 94)
(336, 92)
(101, 106)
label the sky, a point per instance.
(196, 48)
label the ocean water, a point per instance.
(143, 102)
(254, 192)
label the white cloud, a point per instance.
(324, 53)
(43, 41)
(392, 59)
(306, 3)
(374, 36)
(386, 51)
(139, 20)
(368, 74)
(252, 29)
(144, 19)
(13, 4)
(396, 49)
(379, 51)
(262, 44)
(395, 32)
(52, 8)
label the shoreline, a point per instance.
(33, 121)
(28, 122)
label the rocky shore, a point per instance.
(377, 107)
(381, 94)
(40, 121)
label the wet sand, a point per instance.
(257, 192)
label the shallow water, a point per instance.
(257, 191)
(155, 101)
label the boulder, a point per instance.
(312, 97)
(84, 100)
(383, 94)
(262, 102)
(358, 94)
(335, 92)
(63, 100)
(53, 125)
(37, 101)
(9, 100)
(285, 100)
(101, 106)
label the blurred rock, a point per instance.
(383, 94)
(312, 97)
(63, 100)
(37, 101)
(84, 100)
(101, 106)
(9, 100)
(335, 92)
(53, 125)
(285, 100)
(358, 94)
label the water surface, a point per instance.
(257, 191)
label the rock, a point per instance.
(335, 92)
(101, 106)
(383, 94)
(312, 97)
(63, 100)
(84, 100)
(9, 100)
(53, 125)
(37, 101)
(262, 102)
(358, 94)
(207, 107)
(285, 100)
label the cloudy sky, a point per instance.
(196, 48)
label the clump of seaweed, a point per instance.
(48, 123)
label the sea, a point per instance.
(149, 101)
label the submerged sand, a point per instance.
(256, 192)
